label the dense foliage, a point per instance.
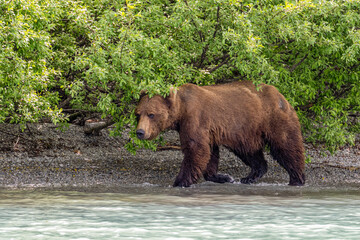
(97, 55)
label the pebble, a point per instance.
(102, 160)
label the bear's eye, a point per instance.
(151, 116)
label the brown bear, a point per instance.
(236, 115)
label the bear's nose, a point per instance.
(140, 134)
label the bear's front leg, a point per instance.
(196, 158)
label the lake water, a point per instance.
(206, 211)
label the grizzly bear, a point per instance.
(238, 116)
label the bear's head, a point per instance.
(154, 115)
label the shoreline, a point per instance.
(44, 157)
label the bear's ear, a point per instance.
(143, 93)
(170, 100)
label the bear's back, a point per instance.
(240, 102)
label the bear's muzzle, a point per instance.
(140, 134)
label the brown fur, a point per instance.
(235, 115)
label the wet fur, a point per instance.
(235, 115)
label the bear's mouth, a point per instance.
(151, 137)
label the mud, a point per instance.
(44, 157)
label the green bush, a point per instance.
(26, 77)
(99, 54)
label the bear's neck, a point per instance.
(174, 113)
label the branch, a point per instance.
(206, 48)
(222, 57)
(73, 116)
(355, 115)
(122, 47)
(65, 102)
(225, 61)
(297, 64)
(217, 21)
(304, 107)
(355, 66)
(344, 89)
(95, 128)
(203, 56)
(283, 42)
(202, 38)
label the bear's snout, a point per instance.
(140, 134)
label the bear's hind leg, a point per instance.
(293, 161)
(256, 162)
(210, 173)
(289, 153)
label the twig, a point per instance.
(14, 135)
(16, 143)
(164, 148)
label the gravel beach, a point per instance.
(44, 157)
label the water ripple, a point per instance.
(72, 215)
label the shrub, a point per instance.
(97, 55)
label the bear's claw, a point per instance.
(247, 180)
(181, 184)
(220, 178)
